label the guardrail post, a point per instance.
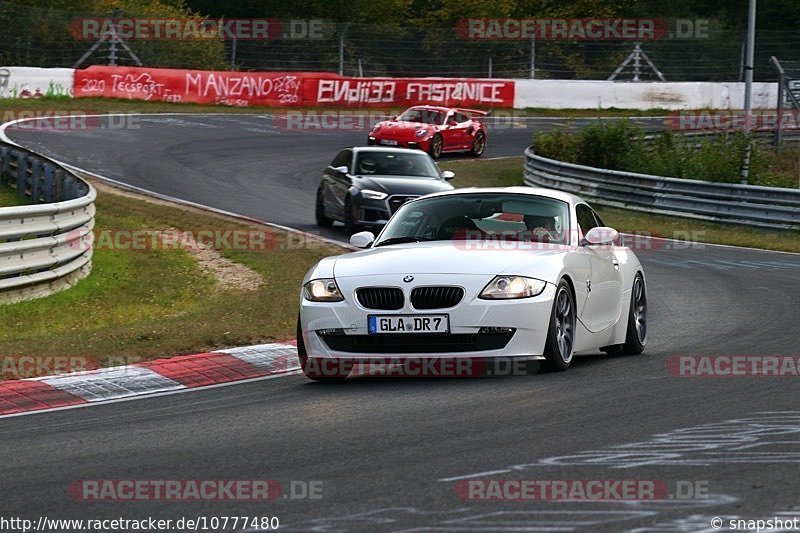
(22, 173)
(58, 186)
(4, 160)
(69, 189)
(49, 178)
(36, 180)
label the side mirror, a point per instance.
(452, 123)
(362, 239)
(448, 174)
(601, 235)
(341, 170)
(394, 117)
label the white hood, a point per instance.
(449, 257)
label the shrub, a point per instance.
(620, 145)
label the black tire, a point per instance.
(636, 332)
(322, 218)
(478, 144)
(559, 347)
(436, 146)
(350, 226)
(313, 371)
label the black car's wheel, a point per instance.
(436, 146)
(636, 333)
(322, 218)
(328, 370)
(350, 225)
(478, 144)
(558, 349)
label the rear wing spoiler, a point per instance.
(474, 113)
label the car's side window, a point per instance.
(597, 218)
(586, 219)
(342, 159)
(461, 118)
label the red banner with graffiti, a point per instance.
(288, 89)
(389, 92)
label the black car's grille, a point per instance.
(386, 298)
(397, 200)
(436, 297)
(409, 344)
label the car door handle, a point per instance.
(615, 263)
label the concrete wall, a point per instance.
(590, 94)
(34, 82)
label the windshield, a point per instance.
(424, 116)
(518, 217)
(396, 164)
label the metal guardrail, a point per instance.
(768, 207)
(47, 246)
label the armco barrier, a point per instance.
(768, 207)
(44, 247)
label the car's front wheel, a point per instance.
(478, 144)
(322, 218)
(436, 146)
(558, 348)
(320, 369)
(350, 225)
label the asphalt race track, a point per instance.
(247, 164)
(390, 452)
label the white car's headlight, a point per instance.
(322, 290)
(511, 287)
(421, 133)
(373, 195)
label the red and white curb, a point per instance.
(160, 376)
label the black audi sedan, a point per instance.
(363, 186)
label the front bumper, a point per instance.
(422, 144)
(478, 328)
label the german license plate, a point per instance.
(408, 324)
(388, 142)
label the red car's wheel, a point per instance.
(435, 146)
(478, 144)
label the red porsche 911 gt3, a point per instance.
(433, 129)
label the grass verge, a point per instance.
(508, 171)
(155, 302)
(8, 197)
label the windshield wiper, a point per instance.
(400, 240)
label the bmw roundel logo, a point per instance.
(408, 279)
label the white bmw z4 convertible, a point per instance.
(514, 272)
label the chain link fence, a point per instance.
(42, 37)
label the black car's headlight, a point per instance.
(322, 290)
(373, 195)
(512, 287)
